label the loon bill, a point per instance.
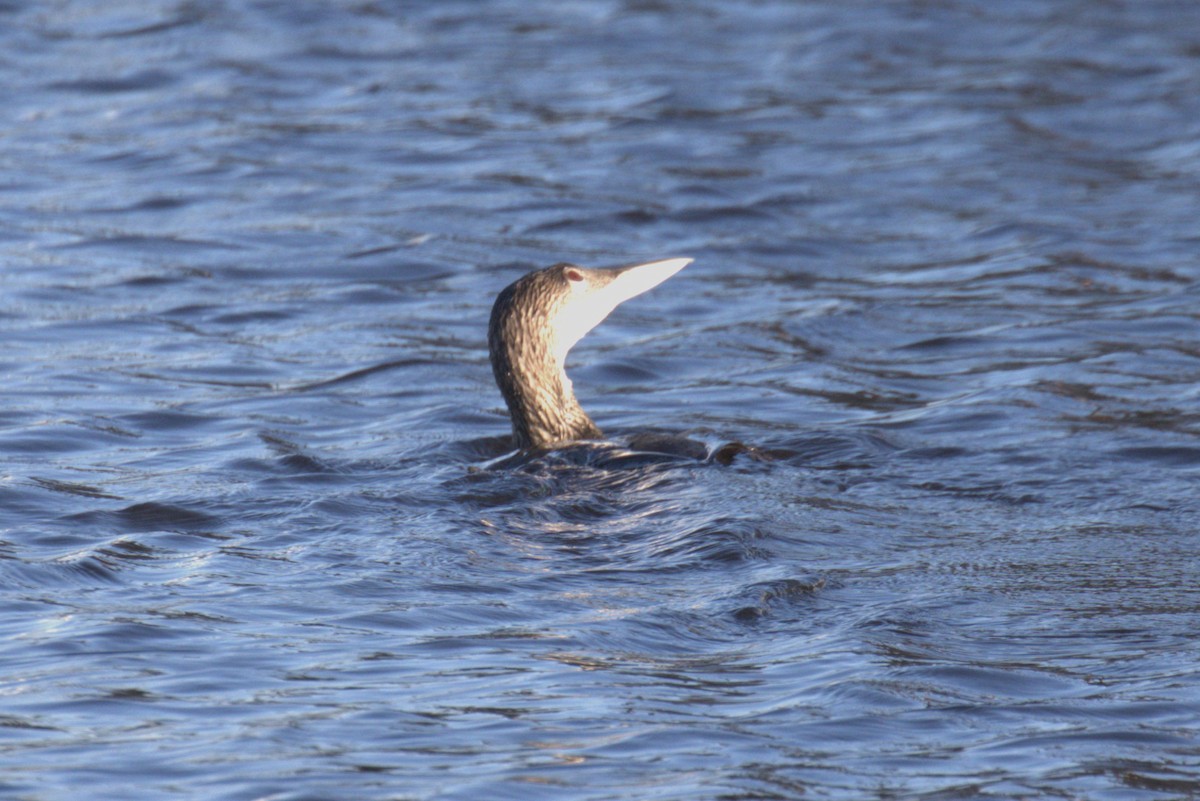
(536, 321)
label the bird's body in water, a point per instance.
(535, 321)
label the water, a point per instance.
(945, 277)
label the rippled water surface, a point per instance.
(945, 281)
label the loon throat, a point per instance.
(536, 321)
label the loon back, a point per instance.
(536, 321)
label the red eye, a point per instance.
(573, 275)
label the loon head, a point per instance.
(536, 321)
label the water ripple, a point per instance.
(261, 530)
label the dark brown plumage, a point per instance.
(535, 321)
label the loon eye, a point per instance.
(573, 275)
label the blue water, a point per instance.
(945, 282)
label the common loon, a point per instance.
(536, 321)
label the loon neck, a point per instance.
(535, 321)
(545, 412)
(541, 401)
